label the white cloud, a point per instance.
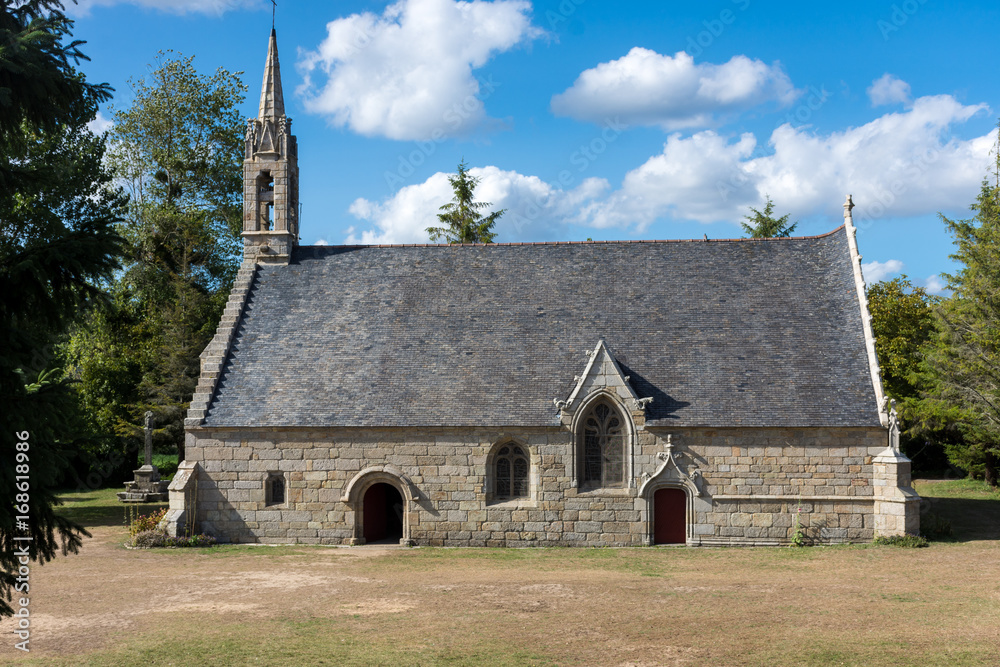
(408, 73)
(217, 7)
(647, 88)
(934, 285)
(899, 164)
(877, 271)
(887, 89)
(100, 124)
(535, 210)
(321, 242)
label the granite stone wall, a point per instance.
(743, 486)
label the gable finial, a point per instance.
(848, 205)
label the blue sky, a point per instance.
(590, 119)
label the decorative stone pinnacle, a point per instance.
(848, 205)
(272, 102)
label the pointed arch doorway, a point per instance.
(669, 516)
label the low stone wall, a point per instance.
(744, 486)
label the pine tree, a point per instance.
(763, 224)
(58, 246)
(965, 357)
(462, 220)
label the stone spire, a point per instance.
(272, 103)
(270, 173)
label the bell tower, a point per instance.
(270, 173)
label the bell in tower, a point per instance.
(270, 173)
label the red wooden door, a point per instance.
(669, 516)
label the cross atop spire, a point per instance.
(272, 103)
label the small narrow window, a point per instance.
(511, 469)
(275, 489)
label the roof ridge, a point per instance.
(542, 243)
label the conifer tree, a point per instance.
(965, 357)
(58, 246)
(763, 224)
(462, 221)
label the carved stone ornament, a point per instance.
(641, 403)
(667, 458)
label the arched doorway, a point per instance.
(382, 511)
(669, 516)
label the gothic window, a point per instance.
(511, 469)
(602, 447)
(274, 489)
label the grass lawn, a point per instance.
(301, 605)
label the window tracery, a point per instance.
(510, 468)
(603, 446)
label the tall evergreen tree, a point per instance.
(763, 224)
(58, 246)
(462, 221)
(966, 355)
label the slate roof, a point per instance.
(751, 333)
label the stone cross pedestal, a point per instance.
(147, 486)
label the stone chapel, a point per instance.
(703, 392)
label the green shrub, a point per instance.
(148, 539)
(143, 523)
(166, 464)
(193, 541)
(908, 541)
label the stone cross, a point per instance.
(148, 453)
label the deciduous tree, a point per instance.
(179, 149)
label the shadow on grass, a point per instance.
(99, 508)
(971, 518)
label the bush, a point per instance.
(166, 464)
(193, 541)
(144, 523)
(935, 527)
(148, 539)
(907, 541)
